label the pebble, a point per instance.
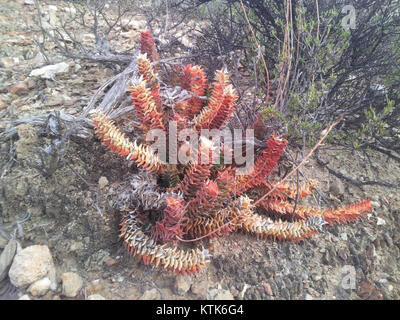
(25, 297)
(151, 294)
(343, 236)
(267, 288)
(380, 222)
(40, 287)
(48, 72)
(110, 261)
(29, 2)
(32, 264)
(7, 257)
(71, 284)
(20, 88)
(343, 253)
(336, 188)
(103, 181)
(388, 240)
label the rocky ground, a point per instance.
(70, 241)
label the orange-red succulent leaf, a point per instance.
(148, 46)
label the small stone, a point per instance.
(343, 236)
(76, 246)
(343, 253)
(7, 257)
(103, 181)
(56, 101)
(29, 2)
(267, 288)
(182, 284)
(380, 222)
(32, 264)
(336, 188)
(19, 88)
(388, 240)
(96, 297)
(71, 284)
(308, 297)
(151, 294)
(48, 72)
(38, 60)
(40, 287)
(110, 261)
(25, 297)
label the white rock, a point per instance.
(343, 236)
(380, 222)
(40, 287)
(32, 264)
(29, 2)
(71, 284)
(96, 296)
(25, 297)
(48, 72)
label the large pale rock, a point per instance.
(71, 284)
(32, 264)
(48, 72)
